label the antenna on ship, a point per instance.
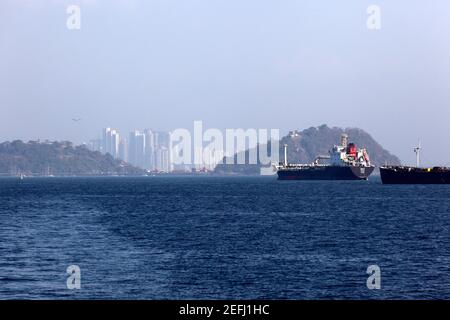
(285, 155)
(417, 151)
(344, 139)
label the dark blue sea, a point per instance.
(222, 238)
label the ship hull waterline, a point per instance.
(392, 176)
(326, 173)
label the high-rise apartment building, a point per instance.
(123, 149)
(149, 149)
(110, 142)
(162, 159)
(136, 149)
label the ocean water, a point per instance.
(222, 238)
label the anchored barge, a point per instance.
(415, 175)
(344, 162)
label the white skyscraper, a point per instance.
(162, 159)
(115, 140)
(106, 143)
(123, 149)
(149, 149)
(162, 151)
(136, 149)
(110, 142)
(162, 139)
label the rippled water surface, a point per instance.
(229, 237)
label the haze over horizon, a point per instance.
(163, 64)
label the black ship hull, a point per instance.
(325, 173)
(409, 175)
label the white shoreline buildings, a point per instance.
(146, 149)
(152, 151)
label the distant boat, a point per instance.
(414, 175)
(344, 162)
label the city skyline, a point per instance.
(147, 149)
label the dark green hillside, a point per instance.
(59, 159)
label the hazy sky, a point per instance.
(232, 63)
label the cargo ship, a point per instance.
(414, 175)
(344, 162)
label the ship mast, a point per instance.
(417, 151)
(285, 155)
(344, 140)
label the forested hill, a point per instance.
(58, 159)
(304, 146)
